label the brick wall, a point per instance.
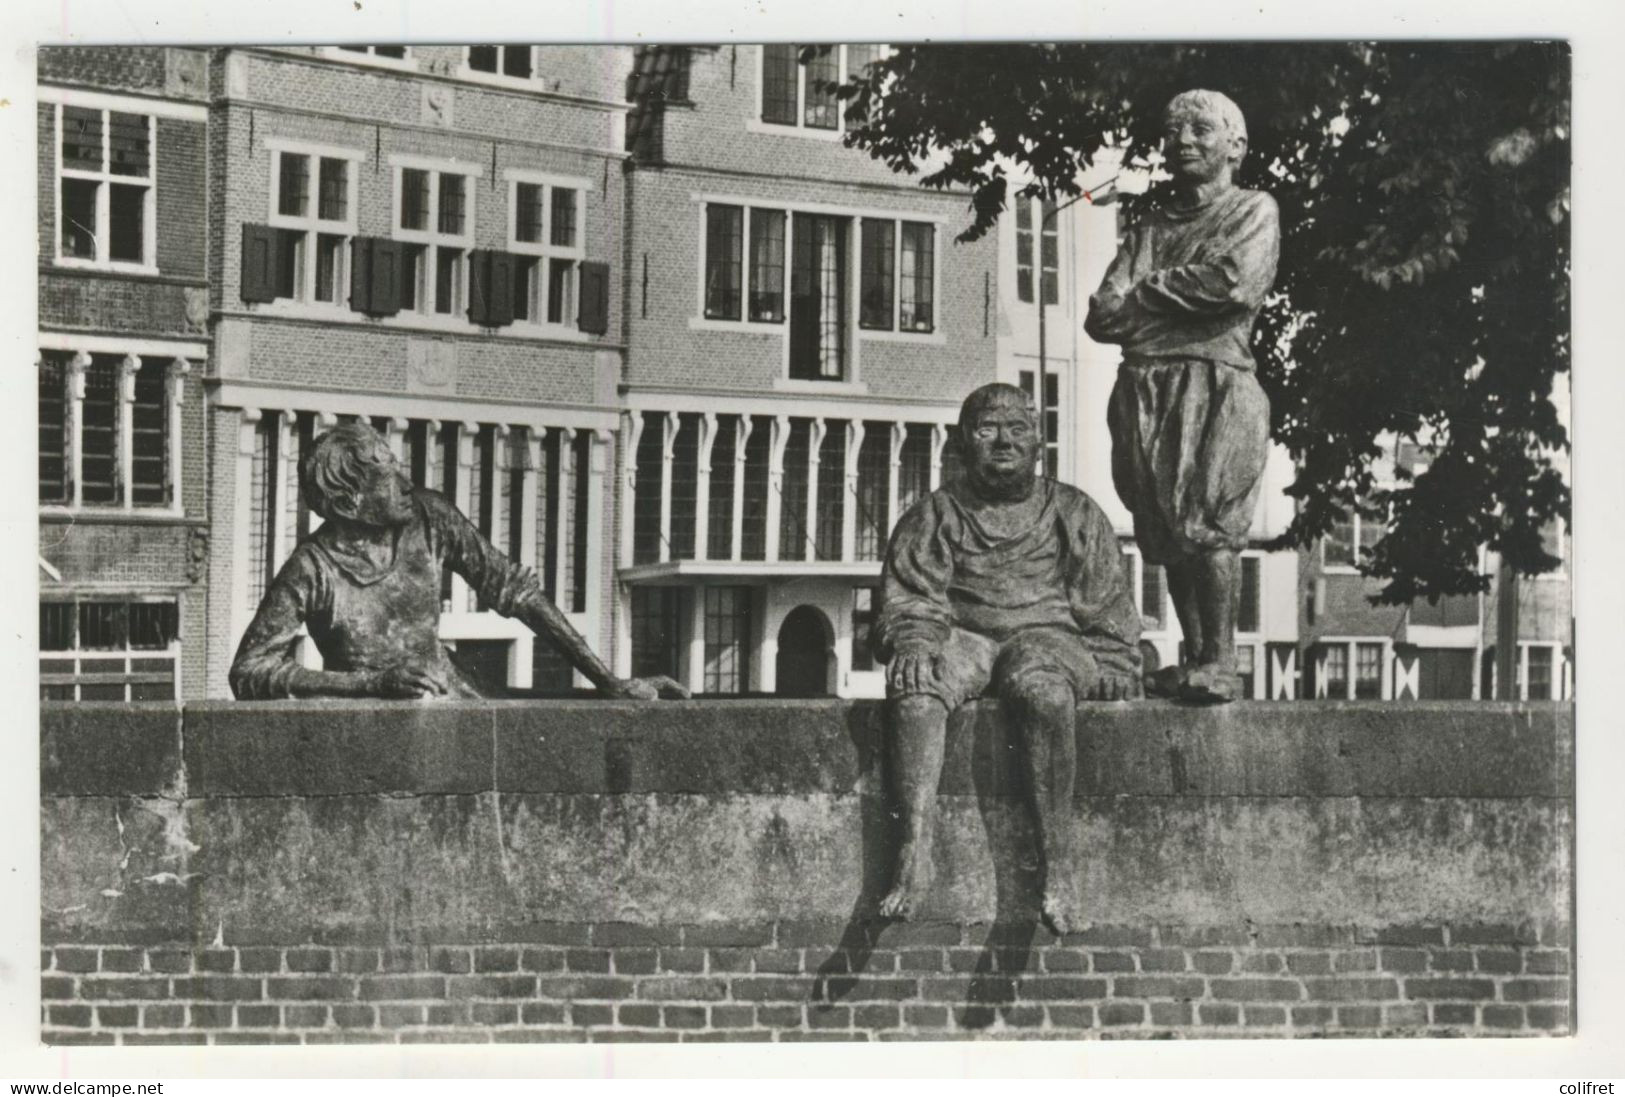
(182, 186)
(667, 242)
(126, 68)
(791, 981)
(107, 304)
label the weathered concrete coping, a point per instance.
(317, 748)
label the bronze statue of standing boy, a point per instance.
(1188, 420)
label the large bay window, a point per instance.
(106, 193)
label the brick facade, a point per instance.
(797, 981)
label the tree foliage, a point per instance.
(1423, 285)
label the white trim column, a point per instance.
(939, 442)
(894, 470)
(280, 543)
(395, 436)
(669, 426)
(242, 516)
(693, 670)
(564, 535)
(702, 487)
(78, 366)
(124, 470)
(174, 380)
(815, 444)
(849, 497)
(779, 438)
(599, 447)
(632, 437)
(741, 436)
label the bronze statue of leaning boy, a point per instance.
(366, 586)
(1008, 584)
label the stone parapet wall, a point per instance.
(593, 871)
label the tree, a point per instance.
(1423, 285)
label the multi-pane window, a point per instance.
(113, 411)
(1247, 667)
(767, 228)
(384, 54)
(803, 95)
(727, 639)
(1350, 537)
(105, 187)
(818, 297)
(314, 217)
(545, 233)
(829, 507)
(1368, 671)
(1336, 662)
(872, 503)
(1250, 610)
(518, 62)
(646, 537)
(795, 539)
(435, 219)
(108, 650)
(864, 601)
(685, 479)
(1036, 224)
(724, 261)
(897, 276)
(914, 472)
(1535, 675)
(1052, 416)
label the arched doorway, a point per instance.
(806, 652)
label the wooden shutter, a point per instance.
(361, 274)
(499, 300)
(259, 263)
(490, 288)
(375, 266)
(479, 288)
(594, 315)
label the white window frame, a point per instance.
(105, 180)
(170, 654)
(409, 63)
(1253, 554)
(501, 79)
(1559, 669)
(184, 353)
(425, 313)
(1036, 212)
(544, 252)
(311, 225)
(799, 128)
(1358, 520)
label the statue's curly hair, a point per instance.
(335, 467)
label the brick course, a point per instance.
(745, 982)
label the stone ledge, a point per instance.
(1480, 750)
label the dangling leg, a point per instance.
(919, 728)
(1043, 710)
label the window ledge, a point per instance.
(500, 80)
(831, 388)
(65, 263)
(370, 60)
(746, 327)
(94, 515)
(1338, 569)
(756, 125)
(408, 322)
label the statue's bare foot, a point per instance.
(1165, 681)
(1211, 684)
(1059, 914)
(907, 895)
